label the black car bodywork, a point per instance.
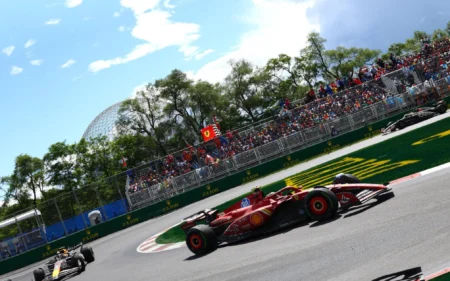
(67, 261)
(417, 116)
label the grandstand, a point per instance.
(372, 94)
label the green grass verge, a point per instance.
(406, 154)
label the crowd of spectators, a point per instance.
(346, 95)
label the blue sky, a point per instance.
(85, 55)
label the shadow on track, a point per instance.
(411, 274)
(257, 237)
(348, 213)
(362, 208)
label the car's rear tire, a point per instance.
(39, 274)
(88, 254)
(443, 108)
(80, 262)
(201, 239)
(321, 204)
(346, 178)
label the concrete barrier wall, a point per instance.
(144, 214)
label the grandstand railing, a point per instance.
(304, 138)
(68, 213)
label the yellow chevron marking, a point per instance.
(360, 167)
(430, 138)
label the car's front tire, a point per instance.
(88, 254)
(201, 239)
(80, 262)
(39, 274)
(321, 204)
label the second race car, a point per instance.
(417, 116)
(67, 261)
(260, 214)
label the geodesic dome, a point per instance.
(104, 124)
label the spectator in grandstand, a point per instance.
(344, 96)
(334, 131)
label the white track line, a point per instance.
(150, 245)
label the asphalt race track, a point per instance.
(408, 231)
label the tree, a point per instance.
(136, 149)
(397, 49)
(287, 76)
(175, 91)
(62, 166)
(342, 61)
(438, 34)
(243, 88)
(28, 175)
(13, 191)
(144, 115)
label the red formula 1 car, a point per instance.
(259, 214)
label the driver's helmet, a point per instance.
(63, 252)
(258, 193)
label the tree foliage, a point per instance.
(169, 114)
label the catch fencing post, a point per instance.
(120, 193)
(60, 217)
(78, 203)
(21, 234)
(101, 202)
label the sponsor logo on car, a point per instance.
(256, 219)
(245, 202)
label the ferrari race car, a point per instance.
(258, 214)
(417, 116)
(66, 262)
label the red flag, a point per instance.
(124, 163)
(208, 133)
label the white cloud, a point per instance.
(121, 28)
(154, 27)
(116, 14)
(168, 5)
(68, 63)
(137, 89)
(36, 62)
(280, 26)
(8, 50)
(30, 43)
(53, 22)
(73, 3)
(16, 70)
(202, 54)
(138, 52)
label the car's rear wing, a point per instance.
(207, 215)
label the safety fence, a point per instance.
(131, 218)
(299, 140)
(396, 83)
(68, 214)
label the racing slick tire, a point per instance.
(346, 178)
(201, 239)
(39, 274)
(88, 254)
(79, 262)
(321, 204)
(442, 108)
